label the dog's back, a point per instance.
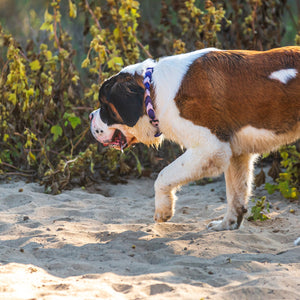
(252, 97)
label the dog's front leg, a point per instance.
(194, 164)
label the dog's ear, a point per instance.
(128, 97)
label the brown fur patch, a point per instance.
(116, 113)
(227, 90)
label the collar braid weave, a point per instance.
(148, 101)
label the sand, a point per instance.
(81, 245)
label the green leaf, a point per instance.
(284, 155)
(48, 17)
(73, 9)
(138, 163)
(5, 137)
(13, 98)
(116, 33)
(257, 211)
(47, 26)
(114, 62)
(74, 121)
(118, 61)
(92, 165)
(294, 193)
(35, 65)
(75, 79)
(85, 63)
(32, 156)
(57, 131)
(271, 188)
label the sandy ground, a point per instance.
(79, 245)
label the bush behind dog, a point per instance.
(46, 95)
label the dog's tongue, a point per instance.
(118, 141)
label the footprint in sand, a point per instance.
(15, 200)
(159, 288)
(122, 288)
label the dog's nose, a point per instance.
(91, 116)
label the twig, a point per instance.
(45, 155)
(13, 167)
(145, 50)
(20, 135)
(93, 15)
(81, 138)
(55, 28)
(23, 54)
(19, 174)
(83, 108)
(9, 165)
(70, 161)
(4, 69)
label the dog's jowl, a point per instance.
(223, 107)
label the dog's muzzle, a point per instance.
(107, 136)
(98, 128)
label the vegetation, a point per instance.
(259, 210)
(287, 182)
(53, 62)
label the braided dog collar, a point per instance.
(148, 101)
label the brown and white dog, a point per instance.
(224, 107)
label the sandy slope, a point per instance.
(79, 245)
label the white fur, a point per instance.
(284, 75)
(144, 132)
(252, 140)
(139, 68)
(204, 160)
(297, 241)
(99, 129)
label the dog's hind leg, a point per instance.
(195, 163)
(239, 177)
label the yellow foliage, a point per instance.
(35, 65)
(72, 9)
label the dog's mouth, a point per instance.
(118, 141)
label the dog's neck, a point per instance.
(148, 101)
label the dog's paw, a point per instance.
(163, 215)
(222, 225)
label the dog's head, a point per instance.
(121, 120)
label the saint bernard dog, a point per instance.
(223, 107)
